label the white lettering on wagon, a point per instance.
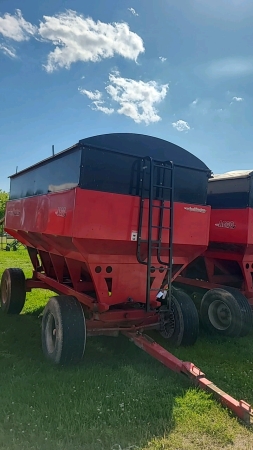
(14, 212)
(61, 211)
(226, 224)
(195, 209)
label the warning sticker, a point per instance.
(134, 236)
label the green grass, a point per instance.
(119, 398)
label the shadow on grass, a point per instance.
(36, 313)
(21, 338)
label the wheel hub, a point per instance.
(51, 334)
(4, 292)
(167, 322)
(220, 315)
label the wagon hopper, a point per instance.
(226, 268)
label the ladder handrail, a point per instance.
(168, 165)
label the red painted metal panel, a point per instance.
(250, 229)
(51, 214)
(231, 240)
(230, 226)
(95, 228)
(101, 216)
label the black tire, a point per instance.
(226, 312)
(13, 291)
(182, 323)
(63, 330)
(247, 316)
(7, 248)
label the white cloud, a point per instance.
(8, 51)
(95, 95)
(77, 38)
(136, 98)
(132, 10)
(98, 107)
(15, 27)
(238, 99)
(98, 102)
(195, 102)
(230, 67)
(181, 125)
(162, 58)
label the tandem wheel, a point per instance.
(226, 312)
(13, 291)
(181, 324)
(63, 333)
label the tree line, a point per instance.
(4, 196)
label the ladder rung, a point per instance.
(161, 206)
(145, 241)
(161, 248)
(167, 267)
(156, 247)
(161, 227)
(154, 290)
(161, 186)
(160, 166)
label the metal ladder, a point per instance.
(153, 179)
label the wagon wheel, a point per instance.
(63, 330)
(226, 312)
(13, 291)
(246, 311)
(181, 324)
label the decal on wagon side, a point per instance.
(14, 212)
(61, 211)
(226, 224)
(195, 209)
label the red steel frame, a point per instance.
(240, 408)
(228, 260)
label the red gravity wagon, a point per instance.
(109, 224)
(224, 272)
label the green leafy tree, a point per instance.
(4, 196)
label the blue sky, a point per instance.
(181, 70)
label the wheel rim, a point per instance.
(220, 315)
(50, 334)
(4, 291)
(167, 322)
